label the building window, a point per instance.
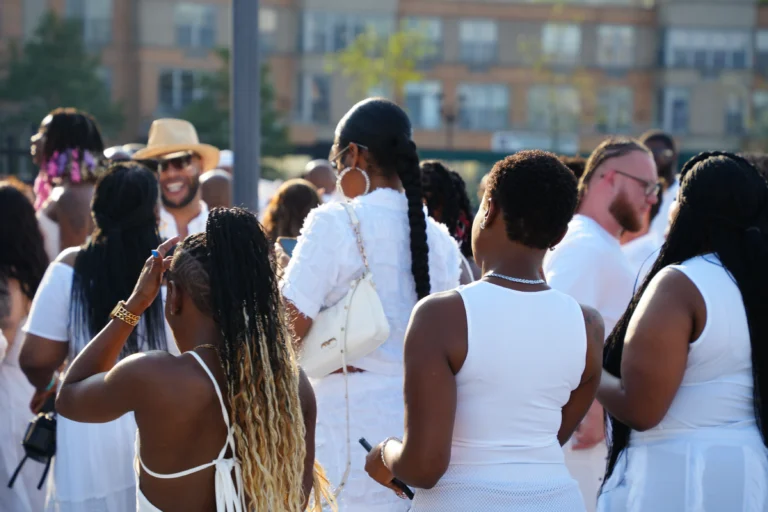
(267, 28)
(734, 114)
(760, 113)
(178, 88)
(195, 25)
(432, 30)
(707, 49)
(326, 32)
(761, 50)
(675, 112)
(561, 43)
(614, 110)
(478, 41)
(96, 18)
(553, 109)
(615, 45)
(314, 102)
(423, 101)
(483, 107)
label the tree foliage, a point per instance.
(376, 60)
(210, 114)
(54, 69)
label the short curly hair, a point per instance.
(537, 195)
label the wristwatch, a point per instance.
(121, 313)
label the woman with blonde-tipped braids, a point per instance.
(237, 361)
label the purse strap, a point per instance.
(356, 228)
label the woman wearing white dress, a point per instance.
(93, 466)
(684, 380)
(409, 256)
(22, 264)
(499, 373)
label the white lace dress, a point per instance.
(324, 262)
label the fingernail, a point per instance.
(155, 253)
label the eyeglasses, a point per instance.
(650, 187)
(334, 159)
(179, 162)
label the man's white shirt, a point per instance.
(168, 228)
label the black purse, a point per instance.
(39, 441)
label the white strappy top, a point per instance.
(229, 493)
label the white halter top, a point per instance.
(229, 493)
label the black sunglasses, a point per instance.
(180, 162)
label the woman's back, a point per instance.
(515, 381)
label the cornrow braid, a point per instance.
(256, 353)
(410, 176)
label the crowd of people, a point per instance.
(587, 340)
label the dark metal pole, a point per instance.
(245, 103)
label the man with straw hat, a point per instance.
(181, 159)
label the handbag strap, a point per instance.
(356, 228)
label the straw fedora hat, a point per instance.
(170, 136)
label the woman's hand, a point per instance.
(374, 466)
(41, 396)
(151, 278)
(281, 257)
(591, 431)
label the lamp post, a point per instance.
(245, 103)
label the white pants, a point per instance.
(587, 467)
(376, 412)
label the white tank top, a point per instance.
(526, 354)
(718, 372)
(229, 493)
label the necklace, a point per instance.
(515, 279)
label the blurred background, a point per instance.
(479, 78)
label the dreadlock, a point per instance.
(256, 353)
(446, 195)
(22, 251)
(108, 265)
(723, 210)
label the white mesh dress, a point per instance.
(519, 372)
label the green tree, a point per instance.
(53, 69)
(375, 60)
(210, 113)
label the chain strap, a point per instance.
(356, 228)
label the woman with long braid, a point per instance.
(684, 369)
(237, 360)
(445, 194)
(410, 256)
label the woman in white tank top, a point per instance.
(499, 373)
(237, 362)
(683, 380)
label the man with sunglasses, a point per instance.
(178, 156)
(618, 187)
(666, 156)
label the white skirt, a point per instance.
(376, 412)
(502, 488)
(93, 467)
(15, 395)
(716, 469)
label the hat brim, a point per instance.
(208, 154)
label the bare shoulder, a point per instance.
(68, 256)
(447, 307)
(595, 325)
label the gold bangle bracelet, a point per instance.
(121, 313)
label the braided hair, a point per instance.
(446, 196)
(107, 266)
(723, 203)
(384, 128)
(22, 251)
(256, 353)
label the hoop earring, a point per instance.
(345, 172)
(482, 224)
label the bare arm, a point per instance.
(309, 411)
(655, 352)
(435, 350)
(582, 397)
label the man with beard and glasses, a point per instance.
(665, 154)
(181, 159)
(618, 187)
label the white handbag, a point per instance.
(350, 329)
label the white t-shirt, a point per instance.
(326, 259)
(590, 266)
(168, 228)
(642, 253)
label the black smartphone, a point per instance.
(288, 244)
(400, 485)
